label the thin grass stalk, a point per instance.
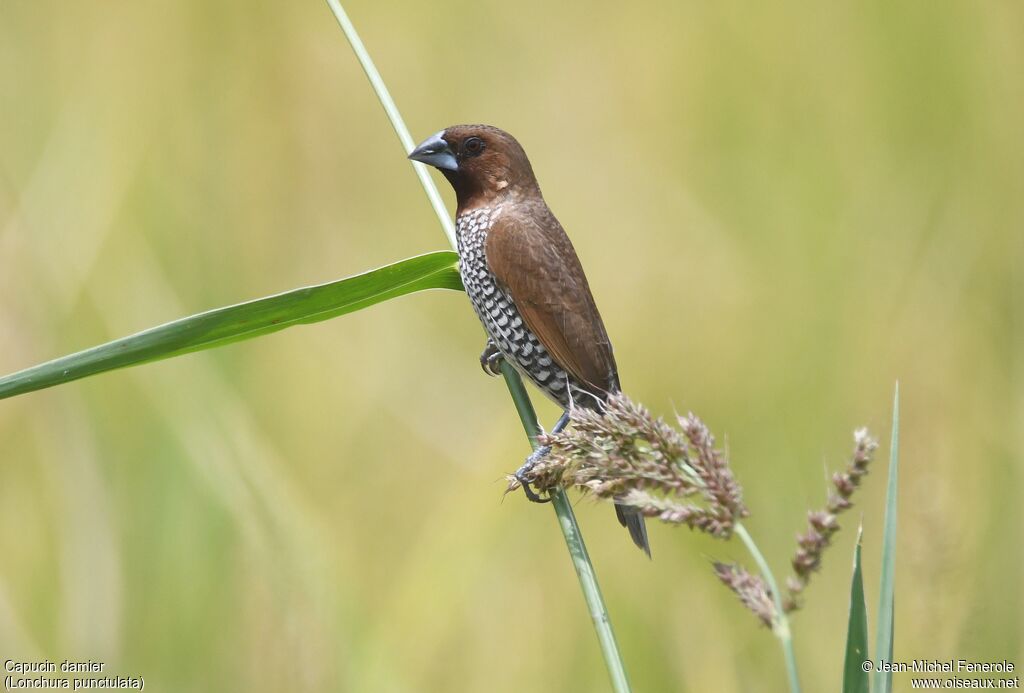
(886, 588)
(384, 96)
(573, 540)
(781, 625)
(563, 509)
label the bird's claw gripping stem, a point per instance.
(531, 462)
(528, 466)
(490, 359)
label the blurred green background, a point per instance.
(782, 209)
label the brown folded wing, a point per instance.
(534, 261)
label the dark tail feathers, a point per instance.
(634, 522)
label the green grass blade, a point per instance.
(855, 679)
(262, 316)
(886, 599)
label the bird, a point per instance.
(525, 280)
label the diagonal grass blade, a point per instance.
(221, 326)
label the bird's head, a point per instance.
(481, 162)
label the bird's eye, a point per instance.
(473, 146)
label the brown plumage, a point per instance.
(523, 276)
(533, 260)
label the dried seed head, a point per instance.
(751, 590)
(822, 524)
(624, 454)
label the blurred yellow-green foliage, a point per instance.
(782, 208)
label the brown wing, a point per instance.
(534, 261)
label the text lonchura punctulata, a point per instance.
(524, 279)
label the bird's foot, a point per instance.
(522, 472)
(490, 359)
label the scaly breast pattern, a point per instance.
(499, 314)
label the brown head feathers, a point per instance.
(491, 164)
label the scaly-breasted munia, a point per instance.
(523, 277)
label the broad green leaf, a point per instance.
(262, 316)
(886, 597)
(855, 679)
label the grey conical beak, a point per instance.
(434, 151)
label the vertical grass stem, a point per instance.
(574, 541)
(384, 96)
(566, 518)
